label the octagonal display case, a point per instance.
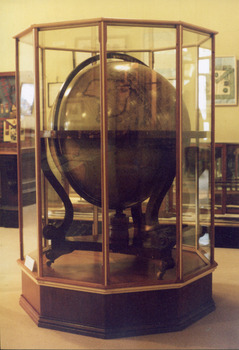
(119, 115)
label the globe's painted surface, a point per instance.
(141, 107)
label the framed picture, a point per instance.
(225, 81)
(7, 94)
(7, 106)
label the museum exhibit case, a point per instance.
(226, 178)
(8, 152)
(120, 113)
(8, 156)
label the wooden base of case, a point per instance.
(117, 315)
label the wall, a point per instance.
(219, 15)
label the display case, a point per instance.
(226, 178)
(120, 238)
(8, 151)
(226, 195)
(8, 155)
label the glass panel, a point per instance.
(196, 149)
(165, 63)
(71, 156)
(140, 42)
(27, 146)
(190, 152)
(193, 38)
(83, 39)
(205, 170)
(141, 155)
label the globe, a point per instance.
(141, 117)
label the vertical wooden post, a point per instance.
(213, 150)
(38, 147)
(179, 255)
(19, 164)
(104, 151)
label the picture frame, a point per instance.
(7, 107)
(225, 81)
(7, 94)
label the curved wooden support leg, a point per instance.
(139, 224)
(56, 233)
(159, 191)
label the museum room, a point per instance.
(119, 174)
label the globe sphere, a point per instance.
(141, 117)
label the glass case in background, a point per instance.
(226, 195)
(120, 117)
(8, 151)
(226, 178)
(8, 156)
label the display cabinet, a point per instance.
(8, 156)
(227, 178)
(8, 151)
(120, 238)
(226, 195)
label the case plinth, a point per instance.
(117, 315)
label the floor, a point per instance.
(218, 330)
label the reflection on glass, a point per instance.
(27, 98)
(27, 148)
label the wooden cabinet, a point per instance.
(8, 190)
(8, 156)
(227, 178)
(9, 187)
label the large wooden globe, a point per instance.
(141, 150)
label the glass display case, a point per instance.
(227, 178)
(119, 239)
(8, 156)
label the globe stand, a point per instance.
(119, 230)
